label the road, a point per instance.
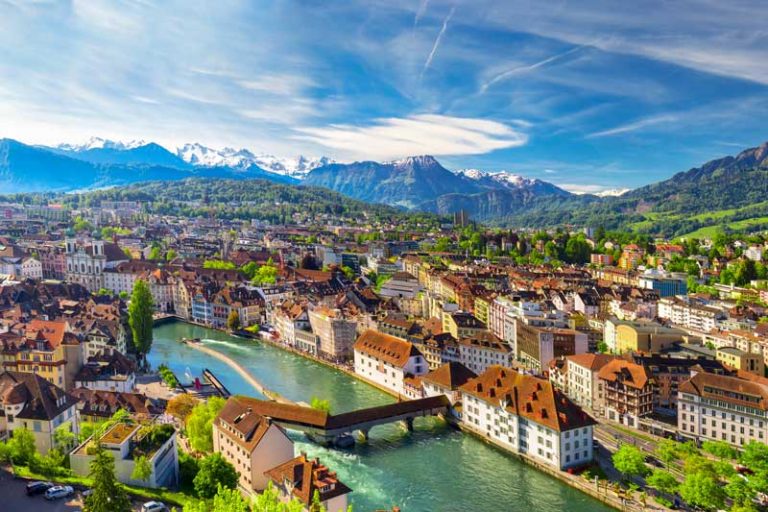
(14, 498)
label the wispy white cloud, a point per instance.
(528, 67)
(279, 84)
(419, 13)
(634, 126)
(415, 135)
(438, 40)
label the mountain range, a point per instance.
(729, 192)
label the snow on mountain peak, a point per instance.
(297, 167)
(99, 143)
(502, 177)
(612, 192)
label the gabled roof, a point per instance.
(450, 376)
(249, 427)
(527, 396)
(42, 400)
(750, 393)
(390, 349)
(630, 374)
(305, 476)
(592, 362)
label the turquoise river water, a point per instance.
(434, 468)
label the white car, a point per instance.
(153, 506)
(59, 491)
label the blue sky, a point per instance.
(588, 95)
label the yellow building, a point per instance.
(462, 325)
(47, 349)
(646, 338)
(741, 360)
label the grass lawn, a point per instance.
(710, 231)
(164, 495)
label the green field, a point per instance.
(718, 218)
(710, 231)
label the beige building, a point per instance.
(741, 360)
(252, 443)
(337, 334)
(30, 402)
(300, 478)
(645, 337)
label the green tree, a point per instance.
(577, 250)
(667, 451)
(320, 404)
(702, 490)
(755, 456)
(739, 490)
(156, 253)
(140, 312)
(142, 468)
(22, 446)
(200, 424)
(170, 255)
(214, 472)
(266, 274)
(107, 495)
(269, 501)
(233, 320)
(719, 449)
(663, 481)
(219, 264)
(226, 500)
(630, 460)
(63, 437)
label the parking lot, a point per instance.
(13, 498)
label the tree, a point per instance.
(180, 406)
(233, 320)
(702, 490)
(719, 449)
(63, 437)
(577, 250)
(630, 460)
(266, 274)
(226, 500)
(739, 490)
(170, 255)
(156, 253)
(22, 446)
(214, 472)
(755, 456)
(107, 495)
(269, 501)
(188, 468)
(140, 319)
(320, 404)
(663, 481)
(142, 469)
(200, 424)
(667, 451)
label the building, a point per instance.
(741, 360)
(336, 332)
(387, 361)
(723, 408)
(462, 325)
(690, 314)
(46, 348)
(301, 477)
(86, 262)
(579, 378)
(668, 284)
(527, 416)
(537, 346)
(31, 402)
(627, 392)
(447, 380)
(126, 442)
(645, 337)
(252, 443)
(602, 260)
(107, 372)
(483, 350)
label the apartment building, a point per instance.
(252, 443)
(537, 346)
(527, 416)
(483, 350)
(387, 360)
(301, 478)
(626, 389)
(337, 333)
(723, 408)
(577, 376)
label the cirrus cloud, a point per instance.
(394, 137)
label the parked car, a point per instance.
(153, 506)
(59, 491)
(37, 487)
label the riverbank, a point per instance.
(245, 374)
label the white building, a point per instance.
(578, 378)
(86, 262)
(723, 408)
(386, 360)
(527, 416)
(483, 350)
(689, 314)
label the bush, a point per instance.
(214, 472)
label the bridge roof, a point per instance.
(309, 417)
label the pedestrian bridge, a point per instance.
(329, 428)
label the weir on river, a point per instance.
(432, 469)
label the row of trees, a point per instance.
(703, 478)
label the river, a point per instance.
(435, 468)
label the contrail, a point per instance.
(530, 67)
(420, 12)
(437, 41)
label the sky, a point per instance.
(588, 95)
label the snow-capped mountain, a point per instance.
(613, 192)
(297, 167)
(504, 178)
(99, 143)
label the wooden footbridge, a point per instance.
(329, 428)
